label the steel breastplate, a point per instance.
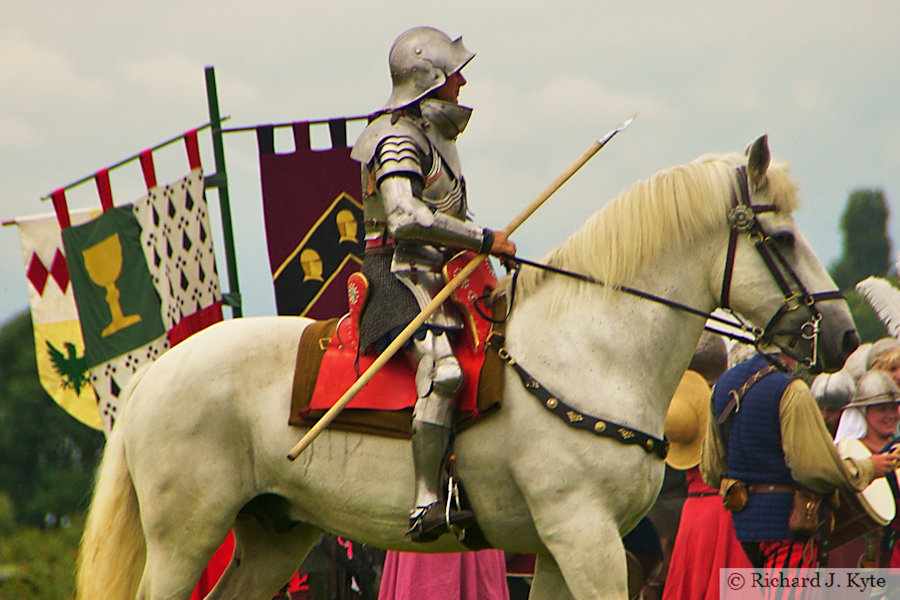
(418, 266)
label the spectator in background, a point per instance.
(705, 541)
(832, 392)
(871, 417)
(885, 355)
(453, 576)
(775, 445)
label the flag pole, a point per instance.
(445, 293)
(219, 180)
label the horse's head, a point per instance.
(773, 278)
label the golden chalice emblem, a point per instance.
(103, 262)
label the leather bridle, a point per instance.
(743, 219)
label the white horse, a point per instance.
(204, 433)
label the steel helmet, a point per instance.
(875, 387)
(833, 391)
(420, 60)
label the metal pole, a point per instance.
(219, 180)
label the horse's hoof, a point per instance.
(432, 523)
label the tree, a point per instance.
(866, 251)
(47, 458)
(867, 247)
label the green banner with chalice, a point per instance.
(118, 305)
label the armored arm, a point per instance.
(398, 173)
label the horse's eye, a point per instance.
(784, 238)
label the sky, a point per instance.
(84, 85)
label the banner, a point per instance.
(117, 303)
(140, 278)
(313, 218)
(58, 343)
(176, 285)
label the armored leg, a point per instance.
(438, 376)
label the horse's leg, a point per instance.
(263, 560)
(181, 538)
(173, 568)
(548, 582)
(588, 550)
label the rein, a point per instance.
(627, 290)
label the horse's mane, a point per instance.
(675, 206)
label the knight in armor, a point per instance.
(416, 217)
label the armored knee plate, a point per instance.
(438, 376)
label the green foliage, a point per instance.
(866, 252)
(39, 564)
(7, 514)
(867, 246)
(47, 458)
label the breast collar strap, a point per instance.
(574, 418)
(743, 219)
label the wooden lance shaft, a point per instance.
(445, 293)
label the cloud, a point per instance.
(566, 101)
(37, 75)
(164, 79)
(16, 133)
(572, 95)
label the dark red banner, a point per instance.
(313, 218)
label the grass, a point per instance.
(39, 564)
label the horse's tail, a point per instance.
(112, 554)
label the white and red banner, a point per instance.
(59, 346)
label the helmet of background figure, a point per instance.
(686, 421)
(874, 387)
(833, 391)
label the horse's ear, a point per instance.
(758, 157)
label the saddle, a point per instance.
(329, 363)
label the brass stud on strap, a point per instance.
(649, 444)
(552, 403)
(574, 417)
(599, 426)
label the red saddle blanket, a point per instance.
(393, 386)
(327, 367)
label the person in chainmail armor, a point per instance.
(416, 217)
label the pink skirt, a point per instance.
(454, 576)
